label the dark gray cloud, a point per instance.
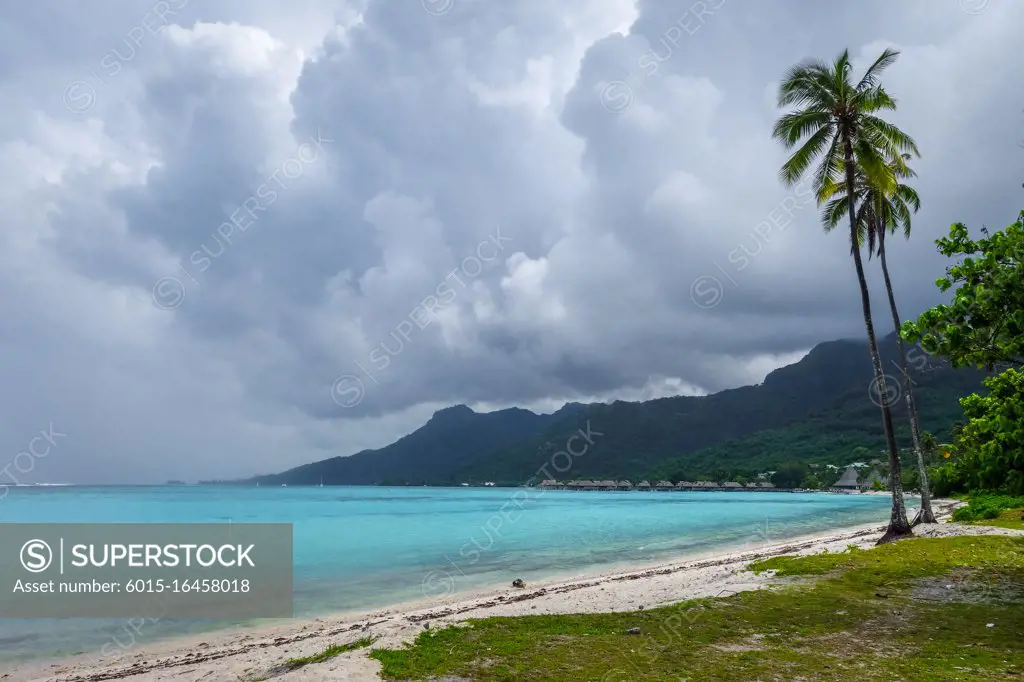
(243, 236)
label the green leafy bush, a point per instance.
(989, 449)
(947, 479)
(986, 506)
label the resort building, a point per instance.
(849, 480)
(853, 480)
(610, 485)
(872, 476)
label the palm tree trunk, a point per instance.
(898, 524)
(927, 515)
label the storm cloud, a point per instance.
(240, 236)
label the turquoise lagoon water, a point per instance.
(366, 547)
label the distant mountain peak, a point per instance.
(455, 411)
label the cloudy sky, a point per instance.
(242, 235)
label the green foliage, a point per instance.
(946, 480)
(1008, 518)
(986, 506)
(929, 446)
(812, 482)
(911, 478)
(983, 326)
(988, 452)
(993, 439)
(847, 431)
(791, 475)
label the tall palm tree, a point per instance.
(879, 213)
(837, 121)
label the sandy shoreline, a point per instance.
(252, 653)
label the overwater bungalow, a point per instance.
(625, 485)
(643, 485)
(664, 485)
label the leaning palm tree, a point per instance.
(879, 212)
(837, 121)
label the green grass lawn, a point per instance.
(920, 609)
(1010, 518)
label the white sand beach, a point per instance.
(253, 654)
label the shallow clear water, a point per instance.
(364, 547)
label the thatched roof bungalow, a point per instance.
(849, 480)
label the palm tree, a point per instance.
(838, 119)
(878, 214)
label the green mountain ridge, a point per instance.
(449, 440)
(816, 410)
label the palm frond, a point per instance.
(871, 162)
(803, 85)
(874, 72)
(834, 212)
(893, 140)
(800, 161)
(875, 99)
(793, 127)
(841, 75)
(901, 218)
(829, 170)
(908, 195)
